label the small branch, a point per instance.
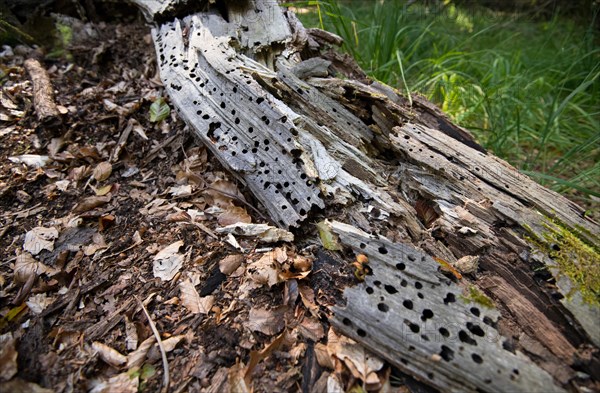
(163, 354)
(43, 94)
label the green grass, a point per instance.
(529, 90)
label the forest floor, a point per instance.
(107, 211)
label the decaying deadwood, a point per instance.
(43, 93)
(259, 90)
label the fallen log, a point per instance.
(312, 137)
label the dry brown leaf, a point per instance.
(170, 343)
(122, 383)
(267, 321)
(109, 355)
(103, 190)
(234, 215)
(235, 377)
(230, 263)
(312, 329)
(265, 270)
(90, 203)
(8, 357)
(40, 238)
(323, 357)
(26, 266)
(257, 356)
(307, 295)
(102, 171)
(192, 300)
(221, 192)
(137, 357)
(37, 303)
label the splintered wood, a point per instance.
(417, 319)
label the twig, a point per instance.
(43, 93)
(163, 354)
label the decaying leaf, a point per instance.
(234, 215)
(181, 191)
(222, 192)
(267, 321)
(257, 356)
(265, 270)
(109, 355)
(328, 238)
(168, 261)
(137, 357)
(265, 233)
(40, 238)
(122, 383)
(38, 302)
(192, 300)
(91, 202)
(102, 171)
(230, 263)
(312, 329)
(8, 357)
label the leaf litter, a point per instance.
(118, 202)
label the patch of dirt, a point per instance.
(114, 199)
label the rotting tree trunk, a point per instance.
(304, 129)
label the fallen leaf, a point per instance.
(103, 190)
(31, 160)
(230, 263)
(137, 357)
(168, 261)
(159, 110)
(8, 357)
(328, 238)
(102, 171)
(170, 343)
(234, 215)
(181, 191)
(38, 302)
(40, 238)
(312, 329)
(123, 383)
(257, 356)
(222, 192)
(267, 321)
(265, 270)
(90, 203)
(192, 300)
(109, 355)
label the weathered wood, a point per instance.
(249, 82)
(416, 318)
(43, 93)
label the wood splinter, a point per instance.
(43, 95)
